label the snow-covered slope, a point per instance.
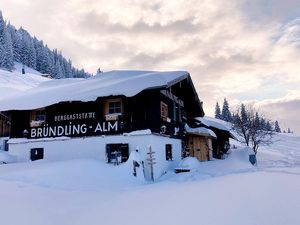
(19, 66)
(220, 192)
(12, 83)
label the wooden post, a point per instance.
(151, 162)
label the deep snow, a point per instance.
(229, 191)
(12, 83)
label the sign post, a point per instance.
(151, 162)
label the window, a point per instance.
(113, 106)
(117, 153)
(164, 111)
(36, 154)
(38, 117)
(169, 156)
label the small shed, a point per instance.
(223, 131)
(199, 143)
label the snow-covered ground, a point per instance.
(28, 70)
(12, 83)
(222, 192)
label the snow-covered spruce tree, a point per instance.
(27, 50)
(217, 111)
(6, 49)
(277, 127)
(16, 42)
(68, 68)
(43, 62)
(247, 123)
(226, 114)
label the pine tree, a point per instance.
(277, 128)
(263, 123)
(99, 71)
(218, 111)
(16, 43)
(244, 116)
(6, 50)
(257, 121)
(226, 114)
(58, 74)
(268, 126)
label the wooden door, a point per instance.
(199, 148)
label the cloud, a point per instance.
(284, 110)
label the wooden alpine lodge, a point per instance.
(113, 112)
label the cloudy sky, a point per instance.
(244, 50)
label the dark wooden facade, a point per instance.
(4, 124)
(221, 144)
(162, 110)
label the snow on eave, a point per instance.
(113, 83)
(202, 131)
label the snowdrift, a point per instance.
(12, 83)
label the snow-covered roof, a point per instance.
(200, 131)
(114, 83)
(217, 123)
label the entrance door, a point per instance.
(199, 147)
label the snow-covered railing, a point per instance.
(36, 123)
(113, 116)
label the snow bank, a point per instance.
(5, 157)
(26, 140)
(190, 163)
(139, 132)
(128, 83)
(80, 175)
(12, 83)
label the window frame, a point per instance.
(169, 152)
(107, 106)
(164, 111)
(35, 117)
(37, 154)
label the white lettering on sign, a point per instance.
(33, 133)
(172, 97)
(75, 116)
(72, 129)
(106, 126)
